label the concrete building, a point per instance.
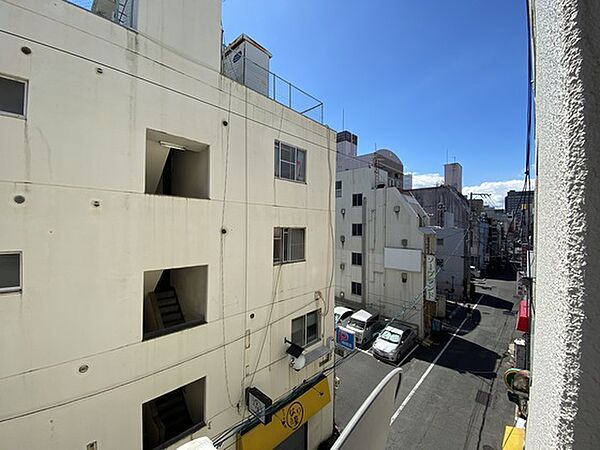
(517, 200)
(451, 278)
(453, 176)
(155, 253)
(385, 250)
(444, 205)
(564, 397)
(407, 184)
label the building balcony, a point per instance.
(121, 12)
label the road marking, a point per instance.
(366, 352)
(414, 389)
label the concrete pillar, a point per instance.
(564, 409)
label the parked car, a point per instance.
(394, 341)
(341, 315)
(364, 325)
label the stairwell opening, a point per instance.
(176, 166)
(174, 415)
(174, 299)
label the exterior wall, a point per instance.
(84, 140)
(453, 176)
(451, 280)
(450, 200)
(564, 399)
(383, 288)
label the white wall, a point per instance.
(385, 290)
(84, 140)
(564, 399)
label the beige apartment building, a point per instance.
(385, 249)
(157, 256)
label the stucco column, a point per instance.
(565, 396)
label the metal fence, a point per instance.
(256, 77)
(118, 11)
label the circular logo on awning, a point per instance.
(294, 415)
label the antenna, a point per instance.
(343, 120)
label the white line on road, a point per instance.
(407, 355)
(411, 393)
(366, 352)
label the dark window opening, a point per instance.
(357, 229)
(12, 96)
(174, 415)
(356, 288)
(174, 299)
(357, 199)
(357, 259)
(10, 272)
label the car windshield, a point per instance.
(359, 325)
(390, 336)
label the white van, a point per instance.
(364, 325)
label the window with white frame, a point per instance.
(356, 259)
(290, 162)
(10, 272)
(356, 288)
(338, 188)
(305, 329)
(357, 199)
(288, 245)
(12, 96)
(357, 229)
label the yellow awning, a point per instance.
(287, 419)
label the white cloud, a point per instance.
(421, 180)
(496, 189)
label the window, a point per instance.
(305, 329)
(357, 199)
(338, 188)
(10, 272)
(12, 96)
(174, 415)
(357, 229)
(440, 242)
(174, 300)
(356, 259)
(290, 162)
(288, 245)
(439, 262)
(356, 288)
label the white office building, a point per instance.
(157, 255)
(385, 250)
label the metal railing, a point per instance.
(254, 76)
(117, 11)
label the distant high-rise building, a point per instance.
(407, 181)
(453, 175)
(514, 200)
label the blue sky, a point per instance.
(419, 77)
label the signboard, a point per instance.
(290, 418)
(430, 277)
(257, 403)
(345, 338)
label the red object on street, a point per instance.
(523, 318)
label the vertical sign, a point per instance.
(430, 277)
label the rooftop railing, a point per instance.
(118, 11)
(256, 77)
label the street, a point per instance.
(452, 395)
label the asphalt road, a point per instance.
(460, 401)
